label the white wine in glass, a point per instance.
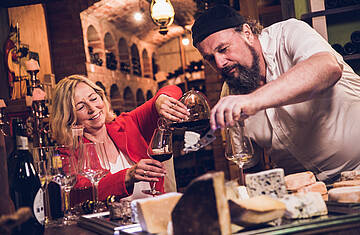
(42, 158)
(238, 148)
(65, 172)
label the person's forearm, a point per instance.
(303, 82)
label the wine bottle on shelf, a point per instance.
(340, 49)
(344, 3)
(25, 186)
(329, 4)
(350, 48)
(355, 38)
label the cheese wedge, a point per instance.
(256, 210)
(318, 186)
(270, 182)
(304, 205)
(203, 209)
(154, 213)
(345, 194)
(299, 180)
(235, 192)
(346, 183)
(350, 175)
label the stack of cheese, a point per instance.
(307, 200)
(247, 211)
(307, 196)
(347, 190)
(304, 182)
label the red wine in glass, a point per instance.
(160, 149)
(161, 157)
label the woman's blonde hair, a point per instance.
(63, 113)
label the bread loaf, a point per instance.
(270, 182)
(345, 194)
(203, 209)
(256, 210)
(299, 180)
(154, 213)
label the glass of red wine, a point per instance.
(160, 149)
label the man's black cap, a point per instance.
(215, 19)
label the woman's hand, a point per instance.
(171, 108)
(145, 170)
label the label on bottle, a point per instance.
(22, 143)
(56, 162)
(38, 207)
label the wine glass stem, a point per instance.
(241, 172)
(47, 204)
(153, 189)
(66, 203)
(95, 195)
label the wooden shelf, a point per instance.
(270, 9)
(327, 12)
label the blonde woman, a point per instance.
(77, 100)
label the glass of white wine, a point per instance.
(42, 162)
(238, 147)
(64, 171)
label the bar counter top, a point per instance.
(333, 224)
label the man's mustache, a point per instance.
(228, 68)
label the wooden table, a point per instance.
(68, 230)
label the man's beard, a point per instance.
(247, 79)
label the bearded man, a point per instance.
(298, 96)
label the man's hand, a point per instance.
(230, 109)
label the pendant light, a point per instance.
(162, 13)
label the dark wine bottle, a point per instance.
(355, 37)
(344, 3)
(25, 187)
(350, 48)
(329, 4)
(340, 49)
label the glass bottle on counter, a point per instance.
(25, 186)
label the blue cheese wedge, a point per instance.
(304, 205)
(270, 182)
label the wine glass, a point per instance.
(160, 149)
(238, 147)
(94, 165)
(64, 170)
(41, 158)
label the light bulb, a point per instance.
(138, 16)
(162, 13)
(185, 41)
